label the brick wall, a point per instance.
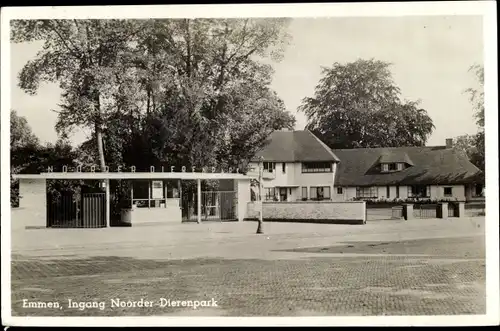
(312, 211)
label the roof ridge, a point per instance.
(393, 148)
(325, 146)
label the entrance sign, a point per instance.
(153, 169)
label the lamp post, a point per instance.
(259, 227)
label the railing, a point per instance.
(397, 212)
(425, 210)
(66, 211)
(215, 205)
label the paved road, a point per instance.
(384, 268)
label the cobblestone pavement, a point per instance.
(411, 269)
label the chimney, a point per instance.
(449, 143)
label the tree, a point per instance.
(476, 94)
(83, 56)
(358, 105)
(20, 132)
(22, 142)
(473, 145)
(168, 83)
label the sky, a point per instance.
(430, 59)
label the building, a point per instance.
(298, 166)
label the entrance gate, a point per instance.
(67, 211)
(215, 206)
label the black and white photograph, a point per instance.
(291, 164)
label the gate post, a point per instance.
(460, 212)
(408, 211)
(442, 211)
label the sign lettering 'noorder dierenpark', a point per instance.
(151, 169)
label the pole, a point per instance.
(260, 229)
(108, 218)
(199, 201)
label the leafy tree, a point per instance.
(358, 105)
(473, 145)
(476, 94)
(83, 56)
(170, 84)
(21, 138)
(20, 132)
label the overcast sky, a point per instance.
(430, 55)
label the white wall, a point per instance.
(32, 203)
(458, 192)
(293, 176)
(316, 210)
(242, 188)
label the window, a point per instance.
(419, 191)
(366, 192)
(448, 192)
(478, 192)
(269, 166)
(320, 193)
(283, 167)
(271, 194)
(316, 167)
(388, 192)
(304, 193)
(385, 167)
(397, 192)
(339, 190)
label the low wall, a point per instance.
(20, 218)
(346, 212)
(171, 214)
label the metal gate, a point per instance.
(425, 210)
(94, 210)
(69, 211)
(215, 206)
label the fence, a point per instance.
(378, 212)
(215, 206)
(473, 209)
(425, 210)
(397, 212)
(69, 211)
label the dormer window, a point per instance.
(394, 166)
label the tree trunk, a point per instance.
(98, 134)
(100, 149)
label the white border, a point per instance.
(487, 9)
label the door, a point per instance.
(283, 194)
